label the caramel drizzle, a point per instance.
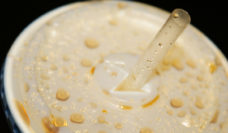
(151, 102)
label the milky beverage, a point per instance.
(67, 71)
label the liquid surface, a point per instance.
(61, 67)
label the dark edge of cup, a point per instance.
(10, 120)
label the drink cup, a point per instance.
(61, 73)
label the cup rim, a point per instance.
(36, 24)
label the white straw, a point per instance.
(158, 48)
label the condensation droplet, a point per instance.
(160, 44)
(155, 52)
(186, 123)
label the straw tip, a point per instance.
(182, 14)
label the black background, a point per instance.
(207, 16)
